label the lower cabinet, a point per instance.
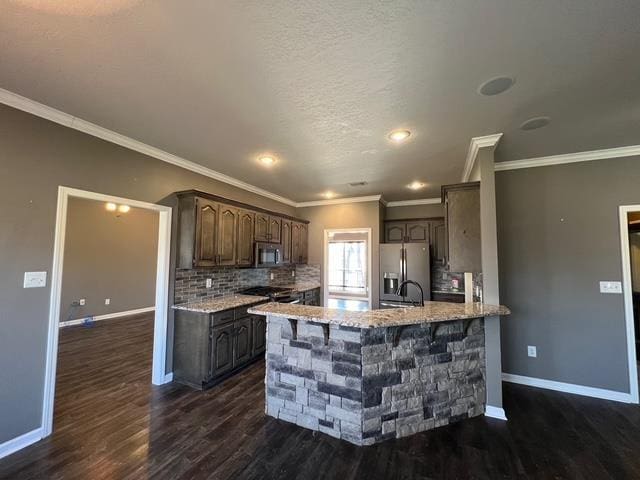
(209, 348)
(311, 297)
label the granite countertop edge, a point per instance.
(220, 304)
(432, 312)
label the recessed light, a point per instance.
(328, 194)
(496, 86)
(267, 160)
(399, 136)
(124, 208)
(535, 123)
(111, 207)
(415, 185)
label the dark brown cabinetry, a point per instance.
(210, 347)
(462, 221)
(310, 297)
(428, 230)
(214, 231)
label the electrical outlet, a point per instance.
(610, 287)
(107, 301)
(272, 276)
(293, 273)
(532, 351)
(209, 283)
(83, 301)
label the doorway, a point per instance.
(158, 376)
(630, 249)
(347, 268)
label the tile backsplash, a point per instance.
(442, 279)
(190, 284)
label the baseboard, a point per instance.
(107, 316)
(495, 412)
(18, 443)
(168, 378)
(568, 388)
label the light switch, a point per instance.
(35, 279)
(610, 287)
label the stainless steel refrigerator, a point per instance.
(400, 262)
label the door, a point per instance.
(245, 237)
(286, 241)
(275, 224)
(242, 341)
(207, 223)
(394, 232)
(228, 239)
(463, 230)
(417, 232)
(391, 271)
(262, 227)
(417, 268)
(259, 334)
(221, 349)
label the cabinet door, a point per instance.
(221, 349)
(262, 227)
(258, 334)
(463, 230)
(286, 241)
(295, 242)
(439, 241)
(228, 239)
(417, 231)
(394, 232)
(245, 237)
(304, 243)
(275, 224)
(242, 341)
(207, 224)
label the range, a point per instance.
(276, 294)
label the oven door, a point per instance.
(268, 254)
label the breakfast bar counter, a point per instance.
(366, 377)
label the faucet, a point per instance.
(407, 282)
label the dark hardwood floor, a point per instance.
(110, 423)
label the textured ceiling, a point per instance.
(321, 83)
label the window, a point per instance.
(347, 267)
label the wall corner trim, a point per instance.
(49, 113)
(495, 412)
(474, 147)
(168, 378)
(20, 442)
(589, 156)
(568, 388)
(421, 201)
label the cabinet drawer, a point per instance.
(311, 293)
(222, 317)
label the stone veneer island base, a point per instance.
(365, 377)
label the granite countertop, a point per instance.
(300, 286)
(432, 312)
(213, 305)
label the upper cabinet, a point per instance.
(213, 231)
(462, 223)
(427, 230)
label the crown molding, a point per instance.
(337, 201)
(474, 147)
(421, 201)
(43, 111)
(618, 152)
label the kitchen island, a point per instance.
(369, 376)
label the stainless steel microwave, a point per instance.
(268, 254)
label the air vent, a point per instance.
(357, 184)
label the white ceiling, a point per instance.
(321, 83)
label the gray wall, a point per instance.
(414, 211)
(108, 255)
(36, 156)
(558, 236)
(348, 215)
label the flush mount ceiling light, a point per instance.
(496, 85)
(328, 194)
(416, 185)
(111, 207)
(124, 208)
(399, 136)
(535, 123)
(267, 160)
